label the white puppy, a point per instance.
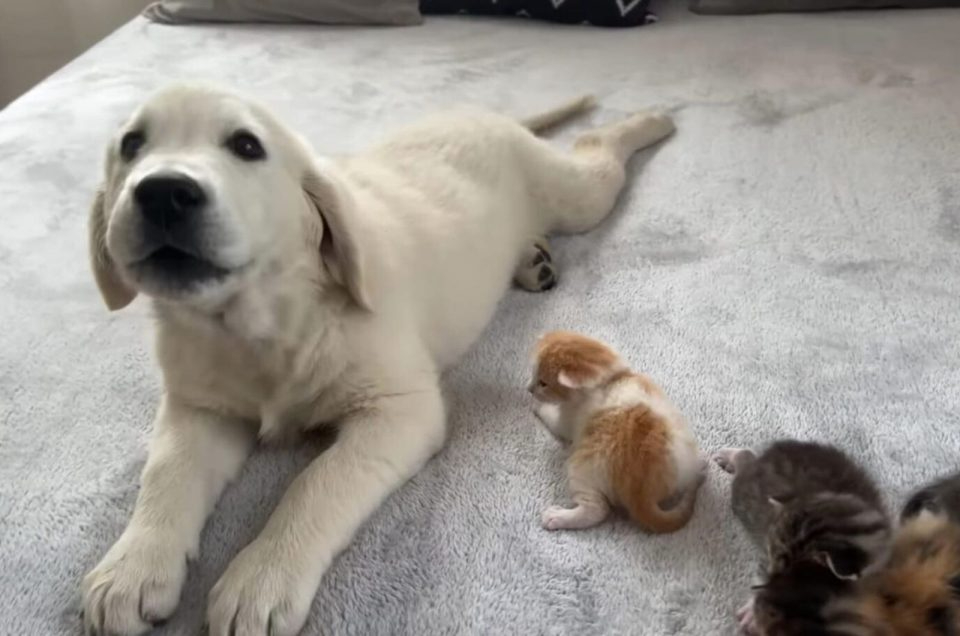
(292, 293)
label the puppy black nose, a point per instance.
(168, 200)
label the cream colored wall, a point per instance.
(39, 36)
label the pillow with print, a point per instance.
(606, 13)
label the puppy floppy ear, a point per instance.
(115, 292)
(340, 249)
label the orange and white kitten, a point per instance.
(631, 447)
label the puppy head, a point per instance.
(566, 364)
(203, 191)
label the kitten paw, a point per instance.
(549, 416)
(581, 516)
(547, 413)
(536, 272)
(553, 518)
(747, 620)
(727, 459)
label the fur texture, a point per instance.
(632, 447)
(292, 293)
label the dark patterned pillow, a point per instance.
(608, 13)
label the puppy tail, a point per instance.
(560, 114)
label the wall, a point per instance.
(39, 36)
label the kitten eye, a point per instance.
(246, 146)
(542, 384)
(131, 144)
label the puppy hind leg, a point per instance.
(536, 271)
(588, 185)
(624, 138)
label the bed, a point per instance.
(788, 264)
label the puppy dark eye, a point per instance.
(542, 384)
(131, 143)
(246, 146)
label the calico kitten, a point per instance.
(819, 519)
(631, 447)
(916, 594)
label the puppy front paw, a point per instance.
(263, 592)
(136, 585)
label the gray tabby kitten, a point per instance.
(821, 523)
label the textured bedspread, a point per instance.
(787, 264)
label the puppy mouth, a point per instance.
(177, 268)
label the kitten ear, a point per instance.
(580, 376)
(579, 379)
(845, 563)
(567, 380)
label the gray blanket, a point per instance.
(787, 264)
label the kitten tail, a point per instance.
(645, 509)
